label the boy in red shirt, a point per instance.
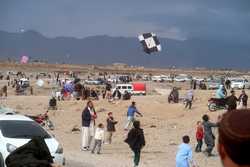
(199, 136)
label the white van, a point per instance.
(124, 87)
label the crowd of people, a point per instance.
(233, 126)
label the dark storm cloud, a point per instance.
(180, 19)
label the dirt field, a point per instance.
(172, 121)
(164, 124)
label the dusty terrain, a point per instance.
(172, 121)
(164, 124)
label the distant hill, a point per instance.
(211, 53)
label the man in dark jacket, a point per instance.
(232, 101)
(136, 141)
(88, 117)
(208, 134)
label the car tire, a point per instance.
(1, 161)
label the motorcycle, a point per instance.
(43, 120)
(215, 104)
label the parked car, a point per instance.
(199, 79)
(240, 84)
(182, 78)
(24, 82)
(93, 82)
(124, 87)
(17, 130)
(213, 84)
(157, 78)
(166, 78)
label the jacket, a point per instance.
(231, 102)
(136, 139)
(86, 117)
(99, 134)
(208, 128)
(111, 124)
(199, 133)
(220, 93)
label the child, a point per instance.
(184, 154)
(99, 138)
(110, 127)
(199, 136)
(136, 141)
(209, 137)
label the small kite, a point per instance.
(40, 83)
(150, 42)
(24, 60)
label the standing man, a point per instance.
(131, 115)
(108, 90)
(88, 125)
(232, 101)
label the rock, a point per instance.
(19, 107)
(153, 126)
(75, 129)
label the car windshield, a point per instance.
(22, 129)
(214, 81)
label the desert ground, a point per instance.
(164, 125)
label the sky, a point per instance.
(176, 19)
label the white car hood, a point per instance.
(51, 143)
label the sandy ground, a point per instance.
(172, 121)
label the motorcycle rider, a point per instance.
(220, 95)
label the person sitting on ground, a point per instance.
(94, 95)
(184, 156)
(126, 96)
(234, 139)
(243, 100)
(53, 103)
(231, 101)
(173, 96)
(117, 94)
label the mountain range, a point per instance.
(103, 49)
